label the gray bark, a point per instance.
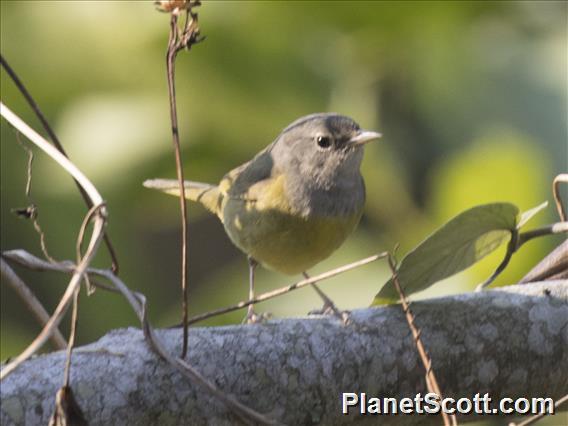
(512, 341)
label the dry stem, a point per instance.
(177, 42)
(563, 177)
(431, 382)
(35, 107)
(138, 303)
(96, 236)
(31, 302)
(283, 290)
(63, 303)
(537, 417)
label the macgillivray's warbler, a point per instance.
(296, 201)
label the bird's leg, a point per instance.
(328, 305)
(251, 317)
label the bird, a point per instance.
(295, 202)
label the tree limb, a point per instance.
(508, 342)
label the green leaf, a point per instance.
(457, 245)
(526, 216)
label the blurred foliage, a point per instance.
(470, 97)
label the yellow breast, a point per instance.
(266, 228)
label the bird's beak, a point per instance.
(363, 137)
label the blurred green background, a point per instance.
(470, 96)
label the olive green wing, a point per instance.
(245, 181)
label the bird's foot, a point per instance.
(329, 308)
(254, 318)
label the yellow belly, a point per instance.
(282, 241)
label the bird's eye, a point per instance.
(323, 141)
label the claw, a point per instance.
(254, 318)
(331, 309)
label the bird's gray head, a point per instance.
(321, 150)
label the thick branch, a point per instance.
(511, 342)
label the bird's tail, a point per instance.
(208, 195)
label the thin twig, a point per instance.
(517, 240)
(74, 316)
(563, 177)
(554, 228)
(138, 303)
(431, 382)
(32, 262)
(23, 258)
(50, 150)
(178, 41)
(170, 65)
(29, 299)
(80, 238)
(72, 334)
(35, 107)
(31, 212)
(96, 236)
(63, 303)
(537, 417)
(283, 290)
(29, 166)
